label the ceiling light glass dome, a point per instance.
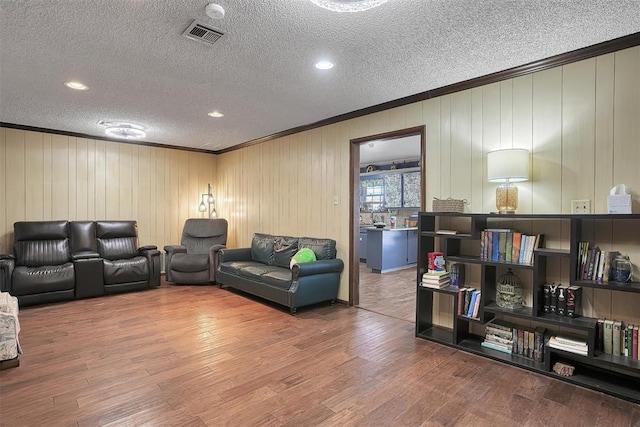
(126, 131)
(348, 5)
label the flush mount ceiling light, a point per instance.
(123, 130)
(76, 85)
(348, 5)
(215, 114)
(324, 65)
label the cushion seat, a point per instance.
(134, 269)
(187, 263)
(280, 278)
(49, 278)
(256, 271)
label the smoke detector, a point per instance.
(214, 11)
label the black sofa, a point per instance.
(64, 260)
(263, 270)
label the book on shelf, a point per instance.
(472, 303)
(570, 346)
(476, 306)
(442, 231)
(574, 297)
(628, 341)
(634, 341)
(553, 298)
(435, 285)
(495, 346)
(561, 308)
(608, 336)
(583, 259)
(515, 246)
(495, 246)
(617, 326)
(600, 335)
(594, 255)
(502, 246)
(546, 298)
(508, 250)
(538, 344)
(483, 245)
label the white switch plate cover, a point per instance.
(581, 206)
(336, 200)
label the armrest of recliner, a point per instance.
(84, 255)
(153, 258)
(147, 248)
(317, 267)
(171, 250)
(237, 254)
(7, 264)
(175, 249)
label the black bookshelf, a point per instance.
(615, 375)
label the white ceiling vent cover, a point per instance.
(199, 32)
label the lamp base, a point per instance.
(507, 198)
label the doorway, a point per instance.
(385, 288)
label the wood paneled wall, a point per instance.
(48, 177)
(581, 123)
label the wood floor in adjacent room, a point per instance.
(392, 294)
(192, 356)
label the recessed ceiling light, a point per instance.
(76, 85)
(216, 114)
(324, 65)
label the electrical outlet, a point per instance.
(581, 206)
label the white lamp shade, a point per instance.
(510, 165)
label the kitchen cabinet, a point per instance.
(363, 244)
(390, 189)
(390, 249)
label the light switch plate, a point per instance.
(581, 206)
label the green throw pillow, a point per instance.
(303, 255)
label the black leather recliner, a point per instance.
(40, 269)
(195, 260)
(126, 267)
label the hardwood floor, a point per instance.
(193, 356)
(392, 294)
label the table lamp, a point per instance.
(506, 167)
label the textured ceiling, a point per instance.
(260, 73)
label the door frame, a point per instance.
(354, 200)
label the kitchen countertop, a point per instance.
(372, 228)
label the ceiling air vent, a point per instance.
(199, 32)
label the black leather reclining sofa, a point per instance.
(65, 260)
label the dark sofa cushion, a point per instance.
(190, 263)
(323, 248)
(284, 248)
(280, 278)
(255, 271)
(262, 248)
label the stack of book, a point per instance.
(571, 345)
(498, 336)
(436, 280)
